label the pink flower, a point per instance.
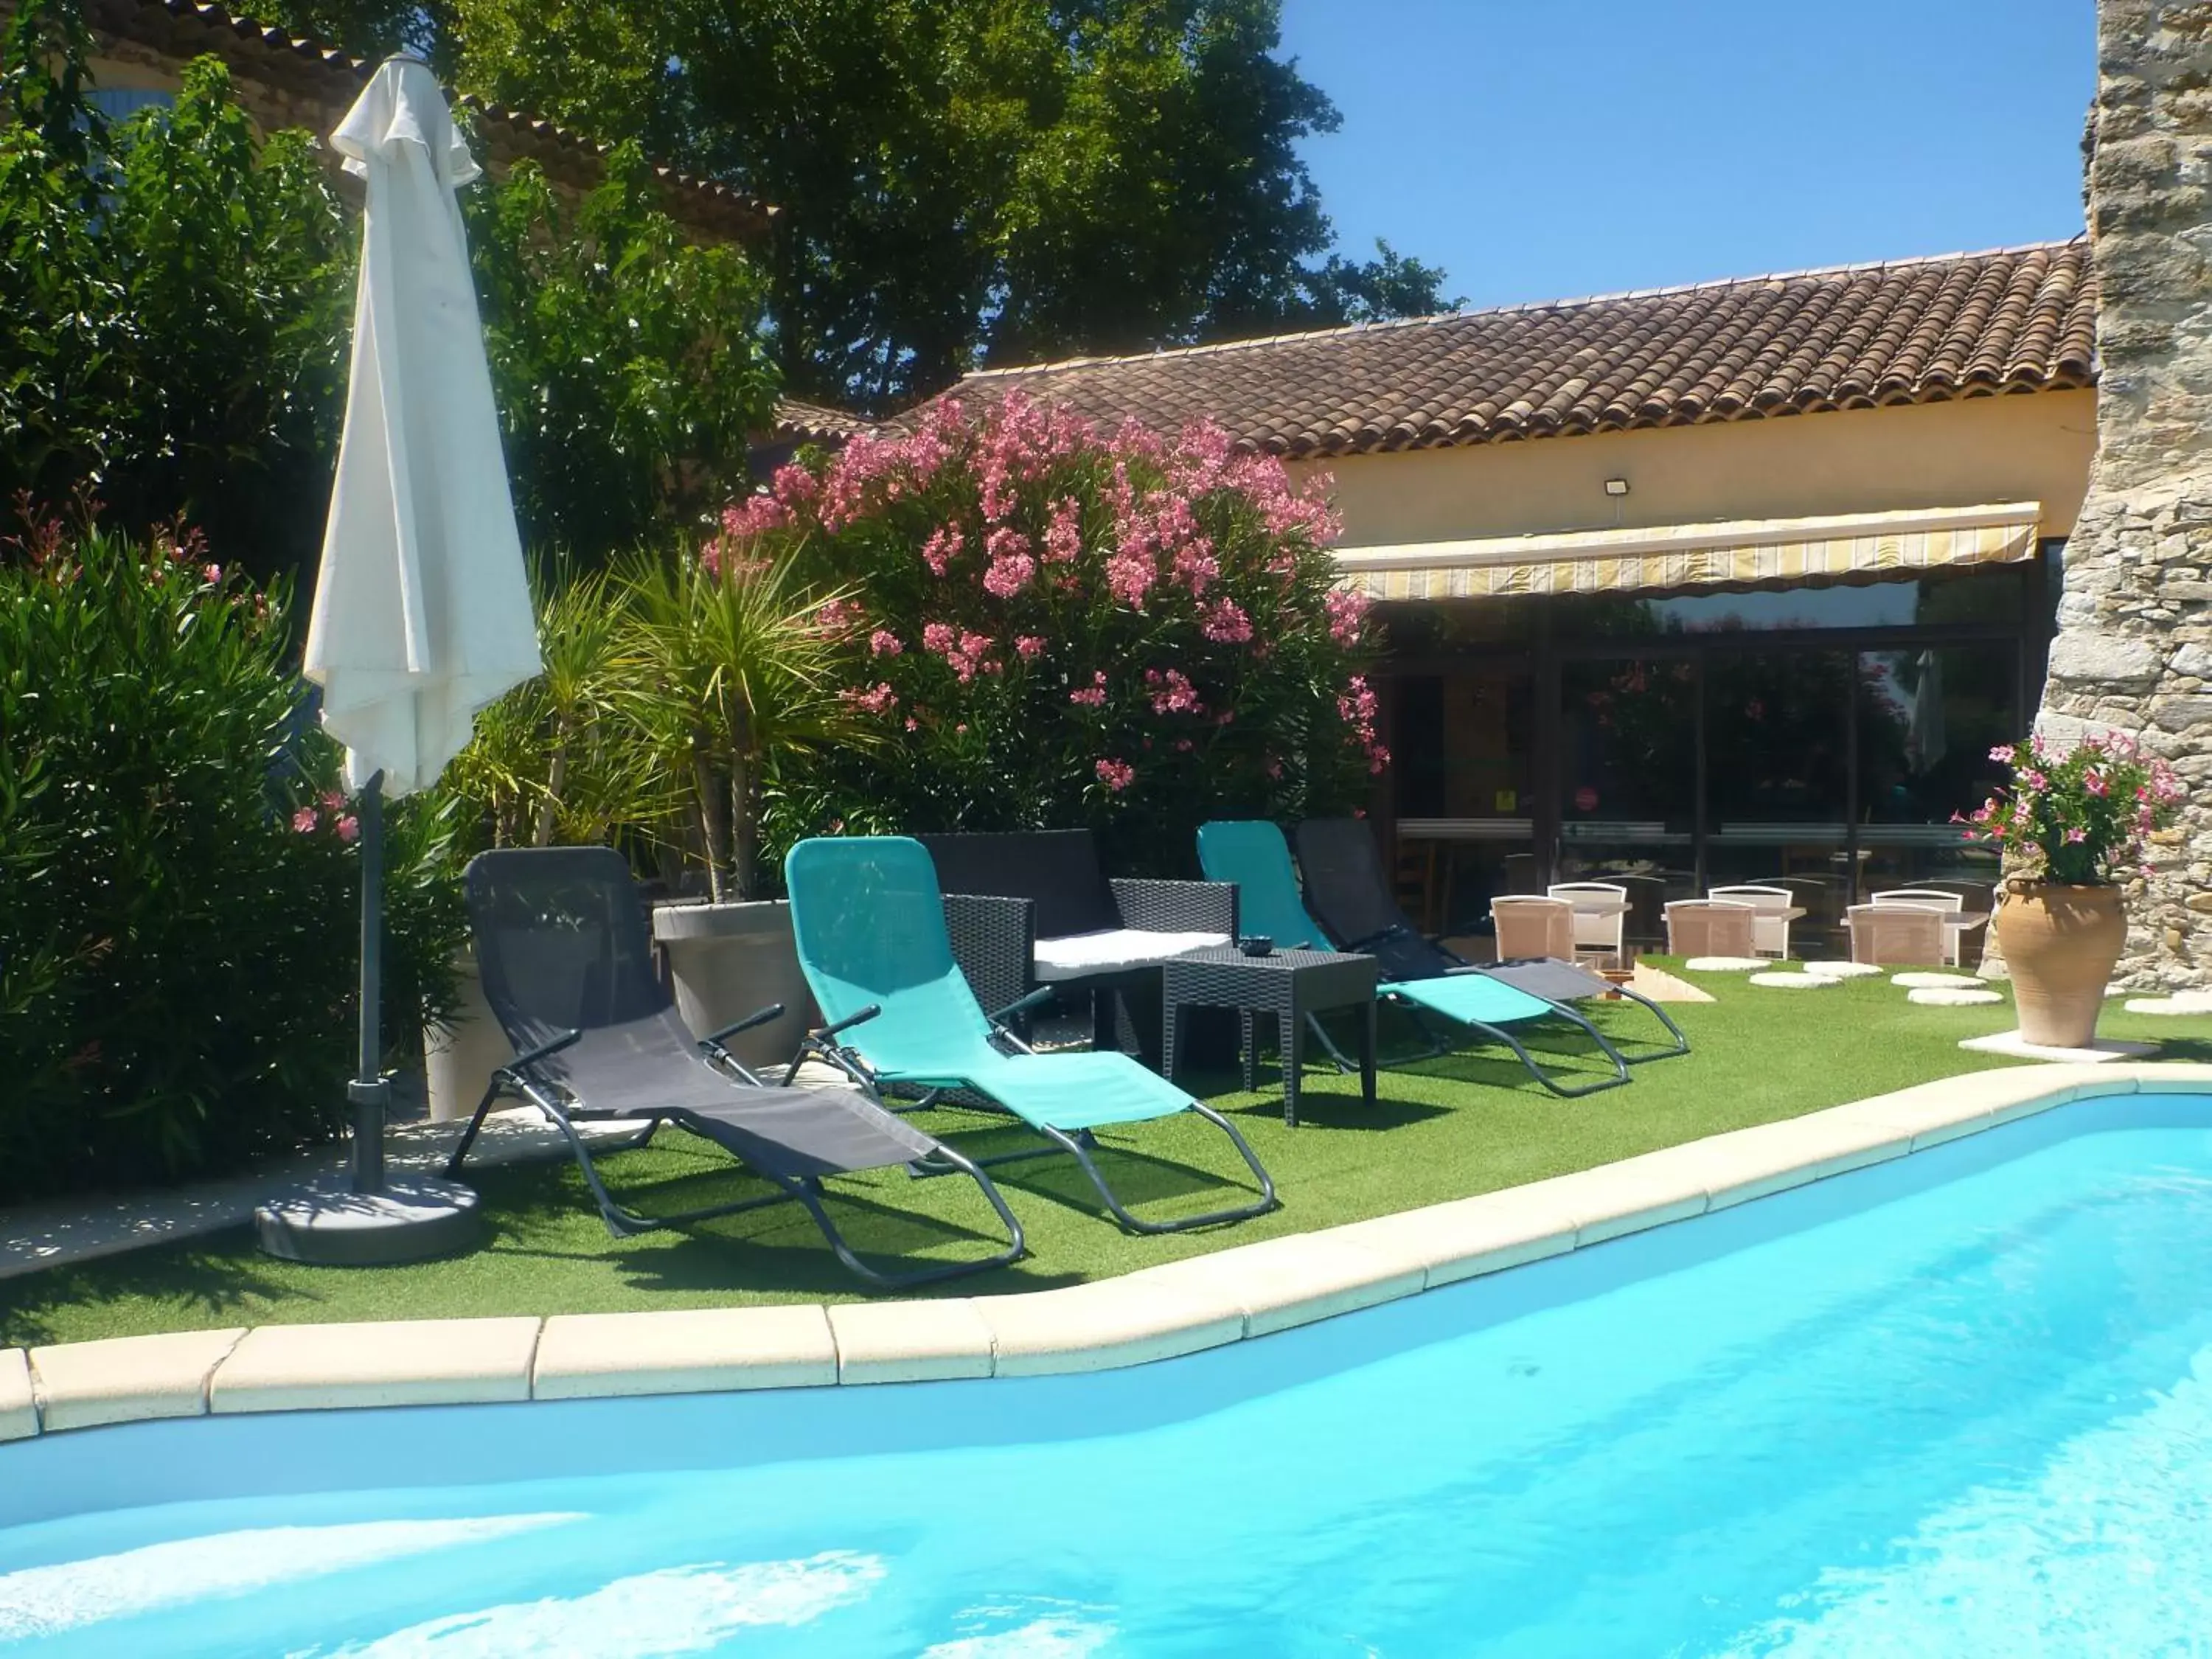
(833, 614)
(1347, 614)
(1008, 575)
(1063, 538)
(2073, 835)
(753, 515)
(2003, 751)
(213, 572)
(793, 483)
(884, 643)
(939, 637)
(912, 724)
(349, 826)
(1130, 576)
(1173, 693)
(1183, 745)
(1029, 646)
(878, 699)
(1195, 566)
(941, 549)
(1117, 775)
(1093, 695)
(2034, 779)
(333, 800)
(303, 821)
(1224, 622)
(2095, 783)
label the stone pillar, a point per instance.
(2134, 649)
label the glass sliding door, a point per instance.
(1464, 793)
(1926, 727)
(1778, 808)
(1628, 780)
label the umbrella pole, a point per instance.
(373, 1219)
(368, 1094)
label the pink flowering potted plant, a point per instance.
(2071, 829)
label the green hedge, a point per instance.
(179, 935)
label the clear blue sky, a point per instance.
(1542, 149)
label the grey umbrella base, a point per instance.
(410, 1219)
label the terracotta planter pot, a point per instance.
(2060, 945)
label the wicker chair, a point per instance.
(1709, 927)
(1771, 933)
(1529, 927)
(1897, 935)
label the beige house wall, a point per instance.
(2029, 447)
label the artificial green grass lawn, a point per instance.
(1445, 1128)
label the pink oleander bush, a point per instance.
(1053, 627)
(2079, 817)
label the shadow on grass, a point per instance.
(211, 1281)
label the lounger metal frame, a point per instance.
(520, 1076)
(1078, 1145)
(1394, 991)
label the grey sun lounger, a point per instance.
(561, 943)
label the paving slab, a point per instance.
(126, 1379)
(84, 1229)
(1108, 1323)
(406, 1362)
(1283, 1282)
(2101, 1051)
(19, 1406)
(683, 1350)
(1469, 1236)
(932, 1341)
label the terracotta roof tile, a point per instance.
(185, 28)
(1913, 331)
(796, 419)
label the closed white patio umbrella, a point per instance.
(421, 613)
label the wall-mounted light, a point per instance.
(1616, 486)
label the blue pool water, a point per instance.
(1957, 1405)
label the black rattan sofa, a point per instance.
(1033, 908)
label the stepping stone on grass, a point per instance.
(1789, 981)
(1727, 964)
(2181, 1002)
(1943, 996)
(1841, 969)
(1937, 981)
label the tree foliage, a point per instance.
(967, 181)
(178, 294)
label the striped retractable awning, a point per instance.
(1752, 551)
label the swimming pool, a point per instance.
(1954, 1404)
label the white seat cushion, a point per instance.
(1076, 956)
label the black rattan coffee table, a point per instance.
(1291, 984)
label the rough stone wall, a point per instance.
(2134, 649)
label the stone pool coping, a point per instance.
(1179, 1307)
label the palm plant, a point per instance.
(560, 758)
(725, 663)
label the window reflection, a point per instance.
(1924, 754)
